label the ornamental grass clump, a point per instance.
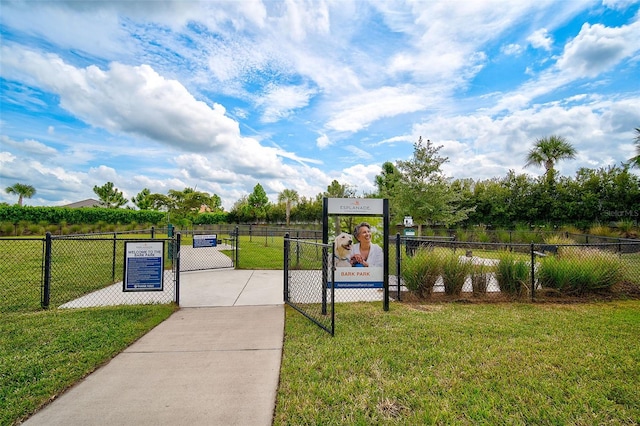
(580, 271)
(421, 271)
(479, 279)
(512, 274)
(454, 274)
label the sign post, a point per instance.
(353, 276)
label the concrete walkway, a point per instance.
(214, 362)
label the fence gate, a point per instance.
(209, 251)
(304, 264)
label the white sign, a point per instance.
(359, 277)
(356, 206)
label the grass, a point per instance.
(43, 353)
(78, 267)
(464, 364)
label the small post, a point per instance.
(153, 232)
(287, 245)
(113, 258)
(177, 268)
(237, 236)
(533, 272)
(398, 263)
(46, 285)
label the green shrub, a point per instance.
(512, 274)
(421, 271)
(479, 279)
(580, 271)
(454, 274)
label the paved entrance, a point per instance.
(215, 361)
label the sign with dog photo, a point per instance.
(357, 255)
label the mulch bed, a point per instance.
(622, 291)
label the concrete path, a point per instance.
(214, 362)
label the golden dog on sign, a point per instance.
(342, 249)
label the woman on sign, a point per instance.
(365, 253)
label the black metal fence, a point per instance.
(429, 267)
(77, 271)
(209, 250)
(306, 265)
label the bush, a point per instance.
(512, 274)
(421, 271)
(580, 271)
(454, 274)
(479, 279)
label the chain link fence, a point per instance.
(307, 266)
(440, 268)
(76, 271)
(21, 273)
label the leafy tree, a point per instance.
(387, 180)
(190, 201)
(423, 192)
(309, 209)
(338, 190)
(635, 160)
(142, 200)
(109, 196)
(548, 151)
(290, 198)
(258, 203)
(21, 190)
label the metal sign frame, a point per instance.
(358, 207)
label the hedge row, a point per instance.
(92, 215)
(86, 215)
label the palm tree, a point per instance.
(22, 190)
(635, 161)
(548, 151)
(289, 197)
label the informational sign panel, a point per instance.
(352, 274)
(205, 240)
(143, 266)
(356, 206)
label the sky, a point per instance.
(222, 95)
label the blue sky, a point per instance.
(222, 95)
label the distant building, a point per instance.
(89, 202)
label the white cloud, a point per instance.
(359, 111)
(511, 49)
(323, 141)
(28, 146)
(280, 102)
(597, 49)
(541, 39)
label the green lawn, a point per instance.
(78, 267)
(43, 353)
(464, 364)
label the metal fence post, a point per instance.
(113, 258)
(46, 285)
(237, 232)
(533, 272)
(287, 245)
(153, 232)
(176, 259)
(398, 263)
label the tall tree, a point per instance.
(258, 202)
(424, 192)
(21, 190)
(387, 179)
(338, 190)
(635, 160)
(142, 200)
(548, 151)
(290, 198)
(109, 196)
